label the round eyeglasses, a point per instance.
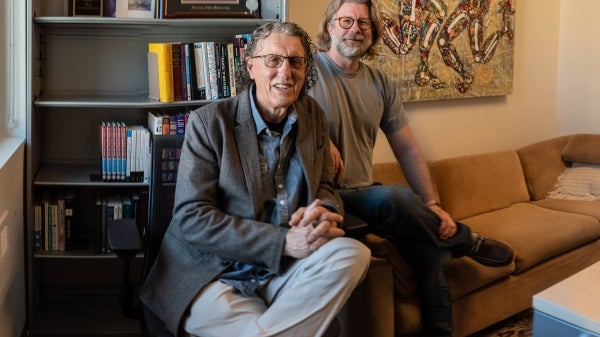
(275, 61)
(346, 22)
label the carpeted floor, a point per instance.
(519, 325)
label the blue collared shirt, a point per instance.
(283, 183)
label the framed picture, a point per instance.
(210, 8)
(446, 49)
(140, 8)
(86, 7)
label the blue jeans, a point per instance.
(397, 214)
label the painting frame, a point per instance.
(210, 9)
(446, 49)
(145, 11)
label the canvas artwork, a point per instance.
(440, 49)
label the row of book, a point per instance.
(115, 207)
(164, 8)
(125, 152)
(58, 227)
(167, 124)
(53, 222)
(205, 70)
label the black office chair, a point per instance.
(124, 241)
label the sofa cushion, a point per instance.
(591, 208)
(471, 185)
(579, 182)
(536, 233)
(542, 163)
(583, 148)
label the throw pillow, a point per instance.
(579, 182)
(583, 148)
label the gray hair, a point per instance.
(263, 32)
(323, 36)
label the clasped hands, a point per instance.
(310, 228)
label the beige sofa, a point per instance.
(502, 195)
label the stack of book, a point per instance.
(59, 227)
(205, 70)
(125, 151)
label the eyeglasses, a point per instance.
(275, 61)
(346, 22)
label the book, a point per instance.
(60, 222)
(211, 66)
(154, 123)
(164, 55)
(103, 149)
(38, 225)
(210, 9)
(221, 67)
(177, 71)
(47, 222)
(153, 80)
(200, 67)
(70, 231)
(54, 225)
(166, 121)
(231, 68)
(190, 72)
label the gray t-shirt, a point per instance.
(357, 105)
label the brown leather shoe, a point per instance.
(490, 252)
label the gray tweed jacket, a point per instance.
(218, 197)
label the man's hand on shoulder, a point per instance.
(336, 162)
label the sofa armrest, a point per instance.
(370, 309)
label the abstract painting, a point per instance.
(440, 49)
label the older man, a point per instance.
(254, 247)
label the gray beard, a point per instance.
(350, 51)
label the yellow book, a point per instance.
(164, 55)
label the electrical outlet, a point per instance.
(3, 234)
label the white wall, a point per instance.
(579, 67)
(12, 134)
(467, 126)
(12, 257)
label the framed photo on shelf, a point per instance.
(210, 9)
(86, 7)
(140, 8)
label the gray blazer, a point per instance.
(219, 196)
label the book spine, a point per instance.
(166, 121)
(199, 57)
(103, 150)
(38, 225)
(123, 154)
(177, 71)
(212, 70)
(190, 73)
(60, 224)
(231, 68)
(165, 69)
(69, 218)
(54, 221)
(129, 152)
(153, 80)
